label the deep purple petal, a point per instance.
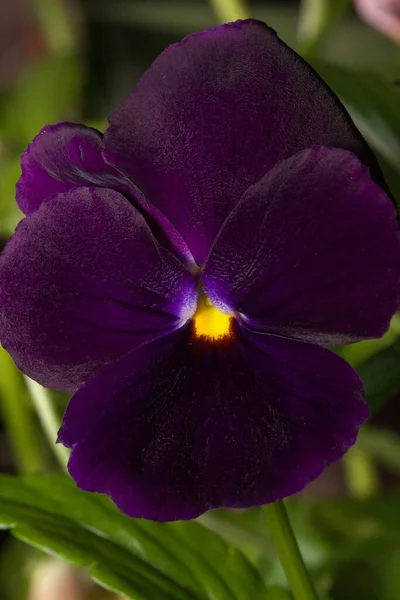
(61, 157)
(180, 425)
(212, 115)
(312, 251)
(82, 282)
(65, 156)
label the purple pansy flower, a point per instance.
(182, 274)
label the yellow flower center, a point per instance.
(209, 322)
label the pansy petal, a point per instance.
(181, 425)
(65, 156)
(212, 115)
(61, 157)
(82, 282)
(312, 251)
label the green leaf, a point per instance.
(141, 559)
(381, 445)
(359, 353)
(369, 520)
(365, 536)
(381, 376)
(391, 174)
(373, 103)
(391, 576)
(355, 579)
(278, 593)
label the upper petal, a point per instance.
(61, 157)
(65, 156)
(82, 282)
(212, 115)
(180, 426)
(312, 251)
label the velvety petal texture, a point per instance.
(213, 115)
(232, 177)
(82, 282)
(65, 156)
(201, 425)
(312, 251)
(61, 157)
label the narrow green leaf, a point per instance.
(138, 558)
(242, 575)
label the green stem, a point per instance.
(20, 427)
(229, 10)
(48, 418)
(288, 552)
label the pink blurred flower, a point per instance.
(55, 580)
(383, 15)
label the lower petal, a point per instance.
(183, 425)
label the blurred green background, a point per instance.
(76, 60)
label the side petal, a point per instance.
(180, 426)
(213, 115)
(312, 252)
(61, 157)
(82, 282)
